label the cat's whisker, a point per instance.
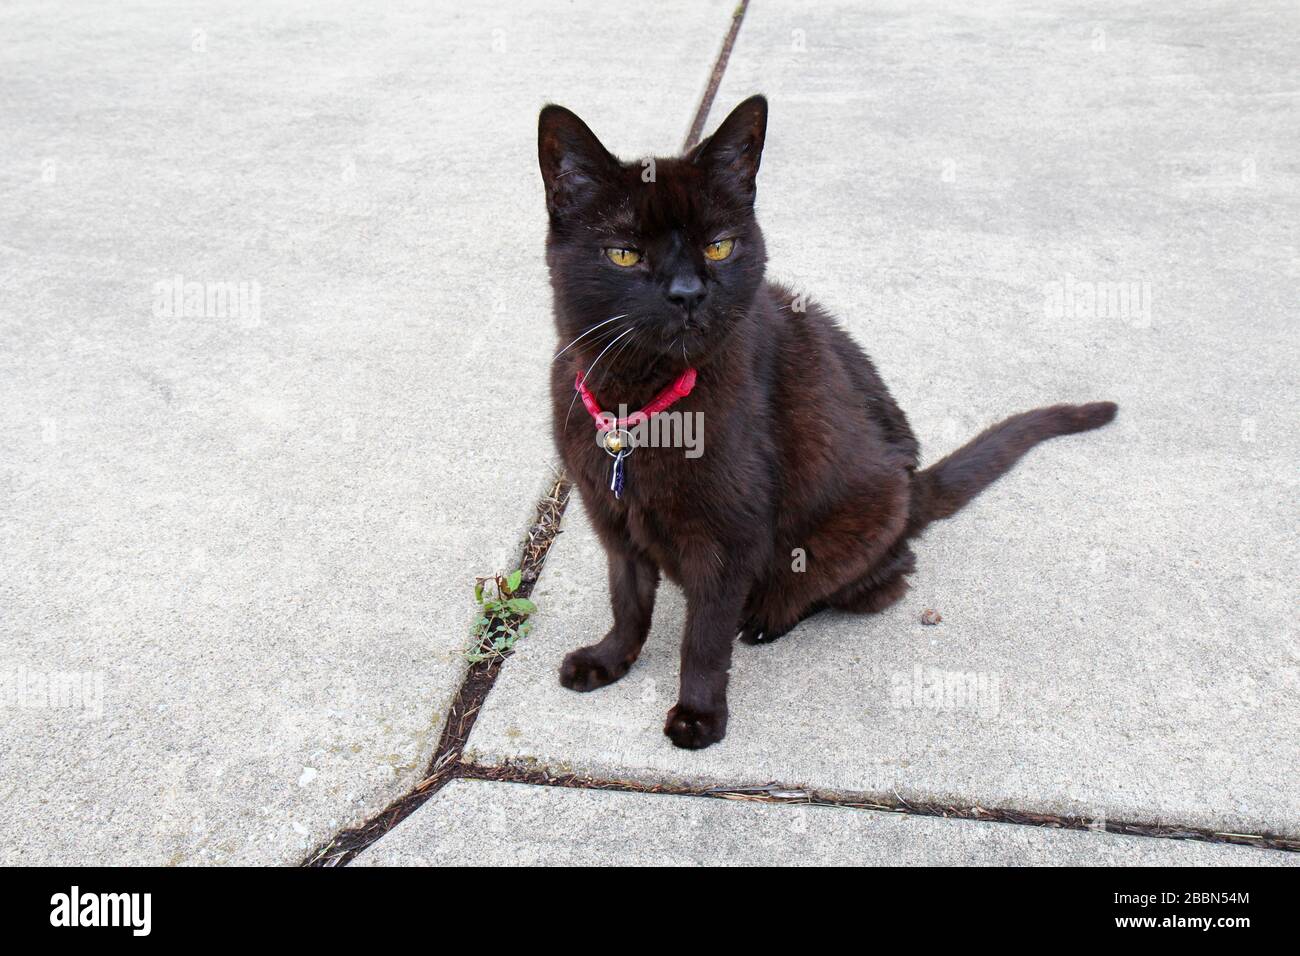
(587, 374)
(599, 340)
(570, 411)
(614, 359)
(586, 333)
(601, 337)
(613, 342)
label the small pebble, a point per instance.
(931, 616)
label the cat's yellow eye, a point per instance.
(623, 257)
(717, 251)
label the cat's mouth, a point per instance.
(680, 341)
(686, 335)
(691, 330)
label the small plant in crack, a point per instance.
(503, 616)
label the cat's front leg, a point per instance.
(699, 718)
(633, 580)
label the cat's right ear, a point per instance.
(572, 159)
(732, 154)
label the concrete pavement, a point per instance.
(240, 523)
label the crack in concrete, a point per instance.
(343, 847)
(715, 78)
(781, 794)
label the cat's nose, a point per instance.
(686, 291)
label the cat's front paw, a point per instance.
(694, 729)
(586, 669)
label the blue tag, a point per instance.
(616, 475)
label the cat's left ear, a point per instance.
(732, 154)
(572, 159)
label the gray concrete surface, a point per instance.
(1123, 603)
(505, 824)
(240, 543)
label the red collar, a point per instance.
(605, 420)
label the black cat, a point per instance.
(657, 272)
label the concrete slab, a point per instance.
(507, 824)
(1122, 605)
(239, 538)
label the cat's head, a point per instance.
(671, 246)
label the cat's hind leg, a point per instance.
(854, 560)
(880, 587)
(876, 590)
(758, 629)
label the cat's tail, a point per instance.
(941, 490)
